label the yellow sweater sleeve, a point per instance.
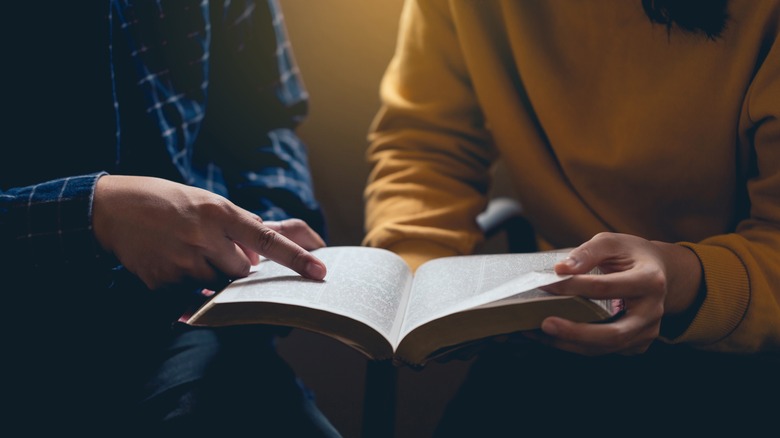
(741, 311)
(429, 152)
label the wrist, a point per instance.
(100, 216)
(683, 276)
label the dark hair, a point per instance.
(705, 16)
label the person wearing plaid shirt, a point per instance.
(149, 153)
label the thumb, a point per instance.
(584, 258)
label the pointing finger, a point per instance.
(254, 235)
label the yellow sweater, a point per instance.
(606, 123)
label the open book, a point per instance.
(371, 301)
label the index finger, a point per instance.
(598, 286)
(254, 235)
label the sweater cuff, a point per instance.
(727, 296)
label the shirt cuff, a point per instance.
(56, 224)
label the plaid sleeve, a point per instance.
(50, 225)
(256, 100)
(279, 185)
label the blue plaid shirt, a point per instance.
(204, 93)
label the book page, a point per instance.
(538, 294)
(451, 284)
(366, 284)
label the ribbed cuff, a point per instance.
(727, 295)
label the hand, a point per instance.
(651, 278)
(298, 231)
(168, 233)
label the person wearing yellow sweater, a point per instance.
(643, 134)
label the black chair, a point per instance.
(502, 215)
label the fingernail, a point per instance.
(570, 262)
(315, 270)
(550, 327)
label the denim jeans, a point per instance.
(87, 360)
(228, 382)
